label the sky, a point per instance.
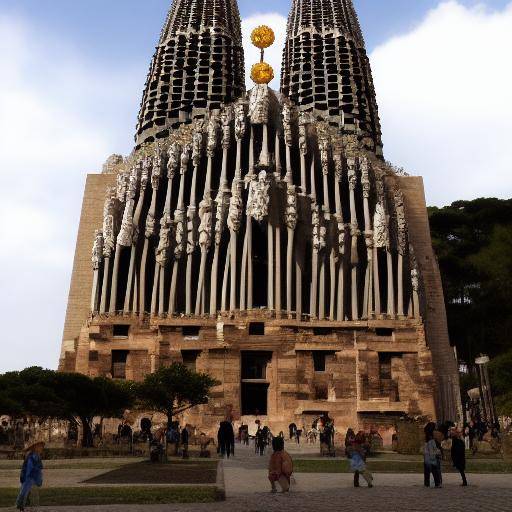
(71, 79)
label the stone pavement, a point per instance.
(247, 491)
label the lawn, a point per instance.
(397, 466)
(80, 496)
(173, 472)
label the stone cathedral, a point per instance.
(261, 237)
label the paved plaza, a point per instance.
(247, 491)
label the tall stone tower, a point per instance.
(262, 238)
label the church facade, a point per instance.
(261, 237)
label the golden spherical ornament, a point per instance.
(262, 73)
(263, 37)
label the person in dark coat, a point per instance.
(459, 454)
(226, 438)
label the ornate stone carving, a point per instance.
(126, 233)
(164, 242)
(150, 225)
(365, 176)
(158, 166)
(290, 213)
(338, 168)
(197, 145)
(205, 226)
(400, 222)
(173, 159)
(319, 231)
(191, 230)
(97, 249)
(259, 103)
(235, 206)
(258, 201)
(303, 125)
(212, 134)
(123, 179)
(287, 122)
(226, 116)
(112, 164)
(179, 229)
(324, 146)
(380, 227)
(240, 122)
(222, 203)
(145, 167)
(341, 234)
(109, 213)
(185, 157)
(352, 175)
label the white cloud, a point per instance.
(49, 138)
(274, 54)
(444, 94)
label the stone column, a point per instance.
(109, 237)
(354, 233)
(401, 246)
(368, 237)
(97, 259)
(340, 310)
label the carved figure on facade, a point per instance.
(221, 211)
(290, 213)
(212, 135)
(146, 166)
(191, 230)
(400, 221)
(97, 249)
(365, 176)
(319, 231)
(197, 145)
(380, 227)
(259, 103)
(258, 201)
(235, 206)
(109, 213)
(179, 230)
(226, 116)
(164, 242)
(324, 146)
(205, 226)
(351, 172)
(122, 185)
(303, 126)
(338, 168)
(185, 157)
(158, 165)
(240, 120)
(287, 122)
(173, 159)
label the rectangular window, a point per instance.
(120, 331)
(319, 361)
(322, 331)
(383, 331)
(256, 329)
(321, 392)
(93, 355)
(190, 330)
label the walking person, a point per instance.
(31, 476)
(225, 438)
(357, 452)
(184, 442)
(431, 460)
(458, 452)
(280, 467)
(260, 441)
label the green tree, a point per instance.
(174, 389)
(500, 371)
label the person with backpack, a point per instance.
(31, 476)
(280, 467)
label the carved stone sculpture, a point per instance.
(365, 176)
(380, 227)
(259, 104)
(213, 128)
(319, 231)
(290, 214)
(205, 226)
(257, 204)
(97, 250)
(173, 159)
(109, 212)
(401, 222)
(235, 206)
(164, 242)
(287, 122)
(240, 122)
(225, 120)
(179, 228)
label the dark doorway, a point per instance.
(254, 398)
(119, 358)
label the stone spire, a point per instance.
(197, 66)
(326, 70)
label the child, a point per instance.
(31, 476)
(357, 455)
(280, 467)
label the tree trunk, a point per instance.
(87, 441)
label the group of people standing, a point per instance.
(433, 454)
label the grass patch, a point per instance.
(174, 472)
(79, 496)
(397, 466)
